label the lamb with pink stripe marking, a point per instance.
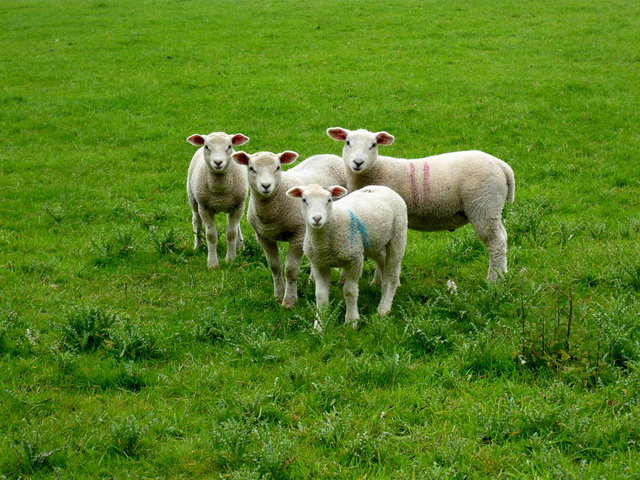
(442, 192)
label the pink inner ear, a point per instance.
(288, 157)
(239, 139)
(383, 138)
(295, 192)
(241, 157)
(196, 140)
(338, 191)
(338, 134)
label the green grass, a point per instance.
(122, 356)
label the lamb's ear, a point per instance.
(384, 138)
(287, 157)
(338, 133)
(241, 158)
(337, 191)
(239, 139)
(196, 140)
(295, 192)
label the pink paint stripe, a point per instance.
(425, 180)
(414, 186)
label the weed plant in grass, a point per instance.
(122, 357)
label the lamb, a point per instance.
(216, 184)
(276, 217)
(442, 192)
(340, 232)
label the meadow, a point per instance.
(122, 356)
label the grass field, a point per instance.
(122, 356)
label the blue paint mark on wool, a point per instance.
(356, 226)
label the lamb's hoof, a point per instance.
(211, 266)
(317, 326)
(353, 323)
(289, 302)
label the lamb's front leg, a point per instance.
(350, 292)
(196, 221)
(291, 271)
(322, 278)
(234, 236)
(271, 252)
(212, 236)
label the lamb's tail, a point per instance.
(511, 181)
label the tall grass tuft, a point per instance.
(128, 436)
(113, 248)
(31, 457)
(86, 328)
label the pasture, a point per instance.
(122, 356)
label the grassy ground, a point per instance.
(123, 357)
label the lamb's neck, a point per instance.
(370, 176)
(216, 175)
(265, 205)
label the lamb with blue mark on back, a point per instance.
(341, 232)
(357, 227)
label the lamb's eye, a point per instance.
(304, 200)
(206, 147)
(229, 147)
(278, 168)
(329, 201)
(373, 145)
(348, 143)
(252, 170)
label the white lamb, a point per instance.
(216, 184)
(442, 192)
(370, 222)
(276, 217)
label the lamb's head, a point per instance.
(360, 150)
(264, 169)
(218, 148)
(317, 202)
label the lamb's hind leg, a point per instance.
(494, 236)
(379, 272)
(391, 272)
